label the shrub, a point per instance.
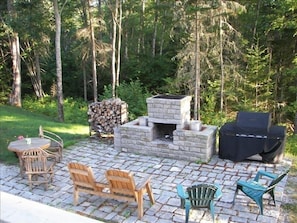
(134, 94)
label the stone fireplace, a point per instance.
(167, 131)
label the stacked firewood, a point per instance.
(104, 116)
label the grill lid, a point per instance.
(253, 122)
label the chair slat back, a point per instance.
(201, 195)
(56, 140)
(121, 182)
(82, 175)
(35, 160)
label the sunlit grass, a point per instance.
(16, 121)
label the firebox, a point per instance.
(163, 131)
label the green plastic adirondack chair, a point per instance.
(198, 196)
(255, 190)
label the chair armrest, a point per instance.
(50, 155)
(254, 185)
(181, 192)
(218, 193)
(60, 144)
(101, 183)
(143, 182)
(264, 173)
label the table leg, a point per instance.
(21, 163)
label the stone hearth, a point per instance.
(166, 132)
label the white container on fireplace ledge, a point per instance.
(195, 125)
(143, 121)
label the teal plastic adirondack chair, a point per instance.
(198, 196)
(255, 190)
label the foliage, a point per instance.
(257, 78)
(17, 121)
(75, 111)
(151, 71)
(209, 105)
(133, 93)
(258, 52)
(271, 25)
(291, 145)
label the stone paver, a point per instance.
(166, 174)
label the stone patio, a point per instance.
(166, 174)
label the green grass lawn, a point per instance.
(17, 121)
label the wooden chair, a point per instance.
(123, 187)
(118, 184)
(57, 143)
(39, 166)
(84, 181)
(198, 196)
(255, 190)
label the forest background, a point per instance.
(228, 55)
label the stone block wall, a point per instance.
(169, 111)
(186, 145)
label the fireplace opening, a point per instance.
(164, 132)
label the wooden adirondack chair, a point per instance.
(123, 187)
(84, 181)
(117, 184)
(198, 196)
(255, 190)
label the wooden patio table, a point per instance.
(19, 146)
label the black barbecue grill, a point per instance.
(252, 133)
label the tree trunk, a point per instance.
(40, 91)
(295, 124)
(60, 100)
(119, 44)
(93, 49)
(85, 80)
(15, 96)
(33, 66)
(222, 67)
(142, 36)
(155, 29)
(114, 12)
(197, 70)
